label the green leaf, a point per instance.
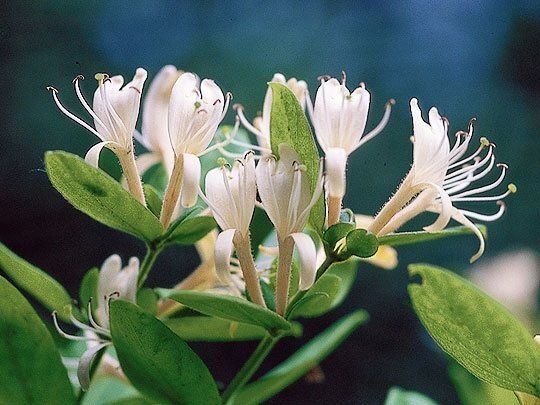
(88, 289)
(153, 200)
(31, 371)
(208, 329)
(408, 238)
(147, 300)
(110, 390)
(156, 361)
(337, 232)
(191, 229)
(398, 396)
(45, 289)
(300, 362)
(227, 307)
(156, 176)
(346, 271)
(95, 193)
(362, 243)
(318, 300)
(288, 124)
(475, 330)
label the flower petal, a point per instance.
(222, 254)
(184, 95)
(192, 178)
(308, 257)
(335, 161)
(462, 219)
(83, 370)
(92, 156)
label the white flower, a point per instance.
(231, 197)
(194, 116)
(339, 118)
(115, 112)
(113, 283)
(285, 193)
(261, 125)
(154, 134)
(440, 177)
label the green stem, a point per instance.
(250, 367)
(325, 266)
(152, 252)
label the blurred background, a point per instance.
(469, 58)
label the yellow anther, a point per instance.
(484, 141)
(512, 188)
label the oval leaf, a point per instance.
(288, 124)
(95, 193)
(31, 371)
(153, 200)
(409, 238)
(45, 289)
(300, 362)
(319, 298)
(156, 361)
(475, 330)
(227, 307)
(191, 230)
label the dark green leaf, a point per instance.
(227, 307)
(95, 193)
(300, 362)
(153, 200)
(362, 243)
(147, 300)
(156, 361)
(288, 124)
(408, 238)
(475, 330)
(88, 289)
(45, 289)
(208, 329)
(31, 371)
(157, 177)
(398, 396)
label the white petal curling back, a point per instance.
(335, 162)
(223, 250)
(85, 363)
(92, 156)
(308, 258)
(192, 178)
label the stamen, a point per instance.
(72, 337)
(487, 187)
(486, 218)
(380, 126)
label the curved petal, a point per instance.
(83, 370)
(192, 178)
(335, 160)
(446, 211)
(92, 156)
(308, 257)
(462, 219)
(184, 95)
(222, 254)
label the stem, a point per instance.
(286, 249)
(243, 251)
(324, 266)
(250, 367)
(133, 180)
(172, 193)
(334, 210)
(152, 253)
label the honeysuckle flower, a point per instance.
(194, 116)
(231, 196)
(440, 178)
(115, 112)
(339, 118)
(287, 199)
(114, 282)
(261, 124)
(154, 134)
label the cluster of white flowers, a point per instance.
(180, 117)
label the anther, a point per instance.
(343, 78)
(390, 102)
(101, 77)
(51, 88)
(323, 78)
(484, 141)
(512, 188)
(238, 106)
(503, 165)
(78, 77)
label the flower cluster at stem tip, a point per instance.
(181, 115)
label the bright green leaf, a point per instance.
(337, 232)
(153, 200)
(346, 271)
(318, 300)
(300, 362)
(95, 193)
(156, 361)
(191, 230)
(408, 238)
(362, 243)
(398, 396)
(147, 300)
(475, 330)
(31, 371)
(45, 289)
(227, 307)
(288, 124)
(208, 329)
(110, 390)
